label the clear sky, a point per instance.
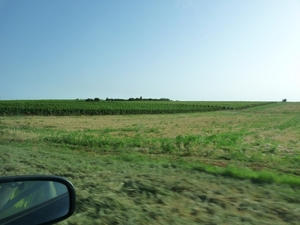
(203, 50)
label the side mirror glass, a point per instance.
(35, 199)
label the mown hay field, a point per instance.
(220, 167)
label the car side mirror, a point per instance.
(28, 200)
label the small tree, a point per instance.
(284, 100)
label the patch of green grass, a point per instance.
(153, 130)
(290, 122)
(262, 176)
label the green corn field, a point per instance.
(81, 107)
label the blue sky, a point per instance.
(199, 50)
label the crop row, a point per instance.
(72, 107)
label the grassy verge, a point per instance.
(133, 189)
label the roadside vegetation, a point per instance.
(214, 167)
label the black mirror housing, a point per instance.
(36, 199)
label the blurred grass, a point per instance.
(132, 189)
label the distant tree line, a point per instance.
(92, 100)
(138, 99)
(129, 99)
